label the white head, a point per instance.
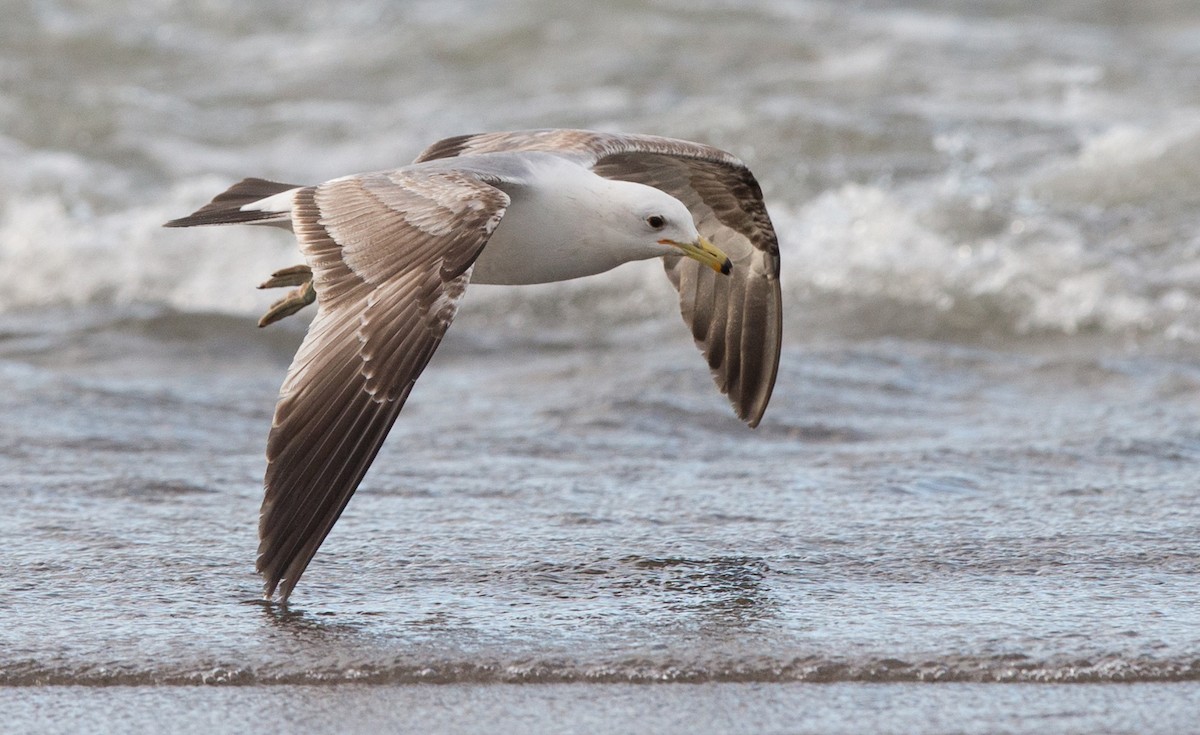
(568, 222)
(645, 222)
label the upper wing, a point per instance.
(391, 256)
(737, 320)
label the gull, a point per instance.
(388, 256)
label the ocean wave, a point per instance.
(858, 259)
(534, 670)
(1097, 239)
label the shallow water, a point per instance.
(914, 511)
(978, 465)
(1145, 709)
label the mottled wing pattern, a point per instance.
(390, 254)
(737, 321)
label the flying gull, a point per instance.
(388, 256)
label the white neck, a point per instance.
(557, 229)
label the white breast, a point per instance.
(568, 223)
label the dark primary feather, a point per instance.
(737, 321)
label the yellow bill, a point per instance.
(705, 252)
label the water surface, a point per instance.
(978, 465)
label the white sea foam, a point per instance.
(1025, 192)
(1128, 165)
(864, 244)
(58, 254)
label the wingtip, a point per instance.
(753, 416)
(275, 590)
(268, 586)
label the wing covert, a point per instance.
(391, 256)
(736, 320)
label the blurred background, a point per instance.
(978, 465)
(934, 168)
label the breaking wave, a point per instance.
(960, 669)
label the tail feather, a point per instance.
(226, 208)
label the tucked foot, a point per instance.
(296, 275)
(296, 299)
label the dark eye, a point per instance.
(656, 222)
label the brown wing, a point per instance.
(737, 320)
(390, 254)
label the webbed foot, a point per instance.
(296, 299)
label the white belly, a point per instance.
(572, 224)
(532, 249)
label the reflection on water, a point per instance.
(725, 592)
